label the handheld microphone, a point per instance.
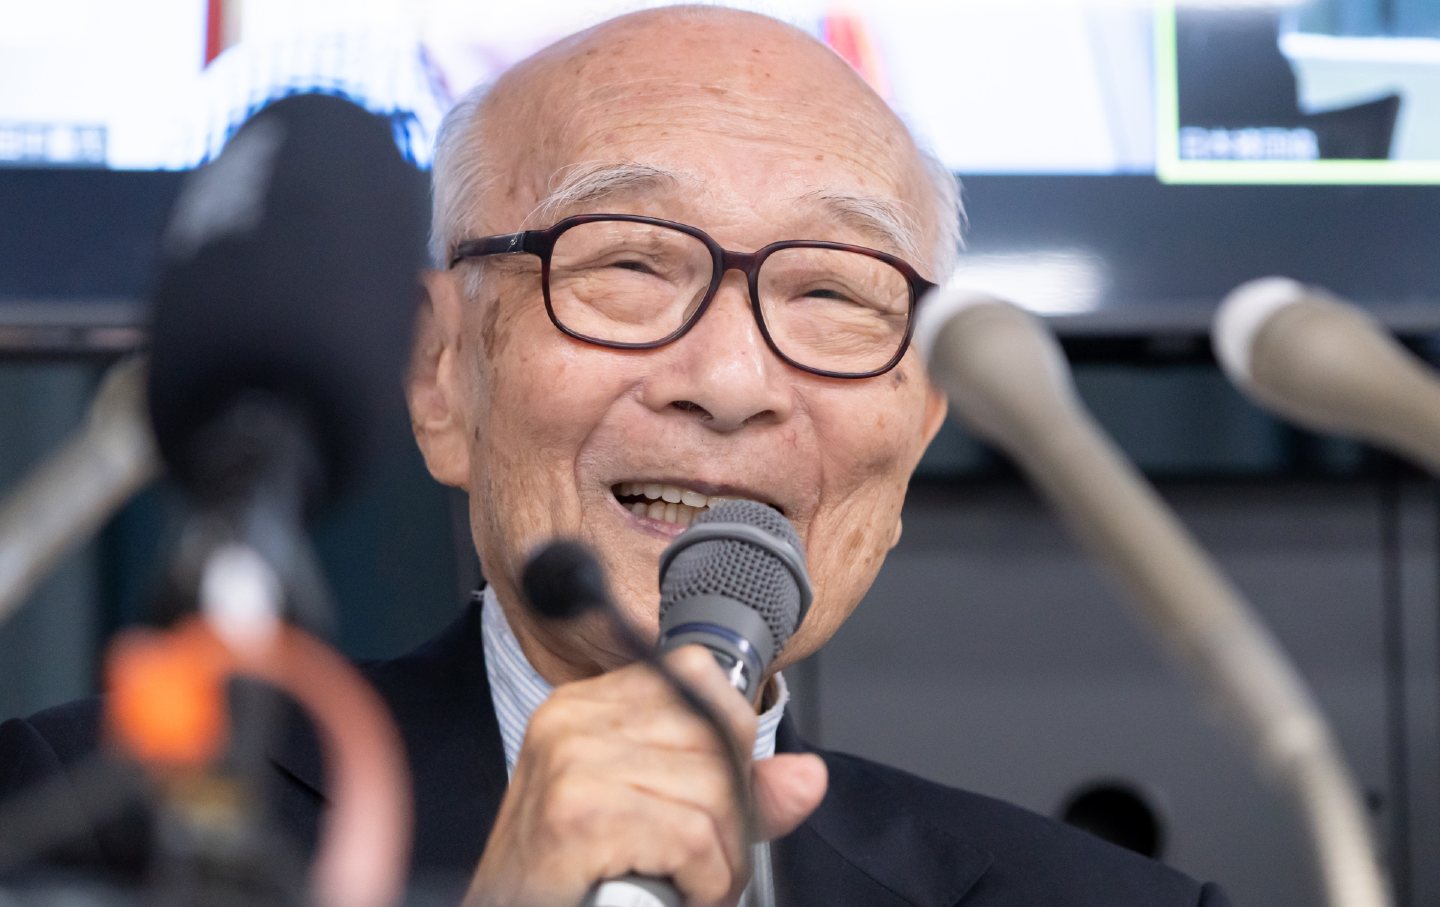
(1329, 366)
(1006, 376)
(283, 311)
(734, 582)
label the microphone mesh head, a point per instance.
(745, 571)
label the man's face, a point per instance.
(555, 431)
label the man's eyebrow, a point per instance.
(887, 220)
(891, 223)
(585, 184)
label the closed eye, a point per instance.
(639, 266)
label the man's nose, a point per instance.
(722, 371)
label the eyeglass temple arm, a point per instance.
(503, 244)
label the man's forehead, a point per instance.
(616, 98)
(714, 46)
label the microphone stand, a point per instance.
(244, 583)
(243, 571)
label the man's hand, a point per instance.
(617, 776)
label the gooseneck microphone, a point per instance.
(1006, 377)
(1306, 355)
(734, 582)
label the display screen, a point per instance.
(1326, 91)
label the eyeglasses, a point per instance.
(629, 282)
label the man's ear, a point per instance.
(434, 388)
(936, 406)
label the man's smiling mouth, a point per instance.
(667, 503)
(676, 504)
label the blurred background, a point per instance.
(1125, 163)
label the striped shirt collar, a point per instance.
(518, 689)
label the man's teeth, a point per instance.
(669, 503)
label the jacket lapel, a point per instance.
(862, 846)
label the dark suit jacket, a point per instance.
(880, 838)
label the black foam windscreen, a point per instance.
(290, 270)
(750, 571)
(564, 580)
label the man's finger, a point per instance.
(787, 789)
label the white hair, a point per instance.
(462, 175)
(949, 208)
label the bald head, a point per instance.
(645, 97)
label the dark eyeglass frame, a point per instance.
(541, 243)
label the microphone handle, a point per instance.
(642, 891)
(633, 891)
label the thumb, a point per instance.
(787, 788)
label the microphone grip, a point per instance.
(735, 634)
(633, 891)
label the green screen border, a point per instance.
(1170, 169)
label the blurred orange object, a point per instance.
(167, 707)
(166, 703)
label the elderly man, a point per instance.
(611, 356)
(677, 256)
